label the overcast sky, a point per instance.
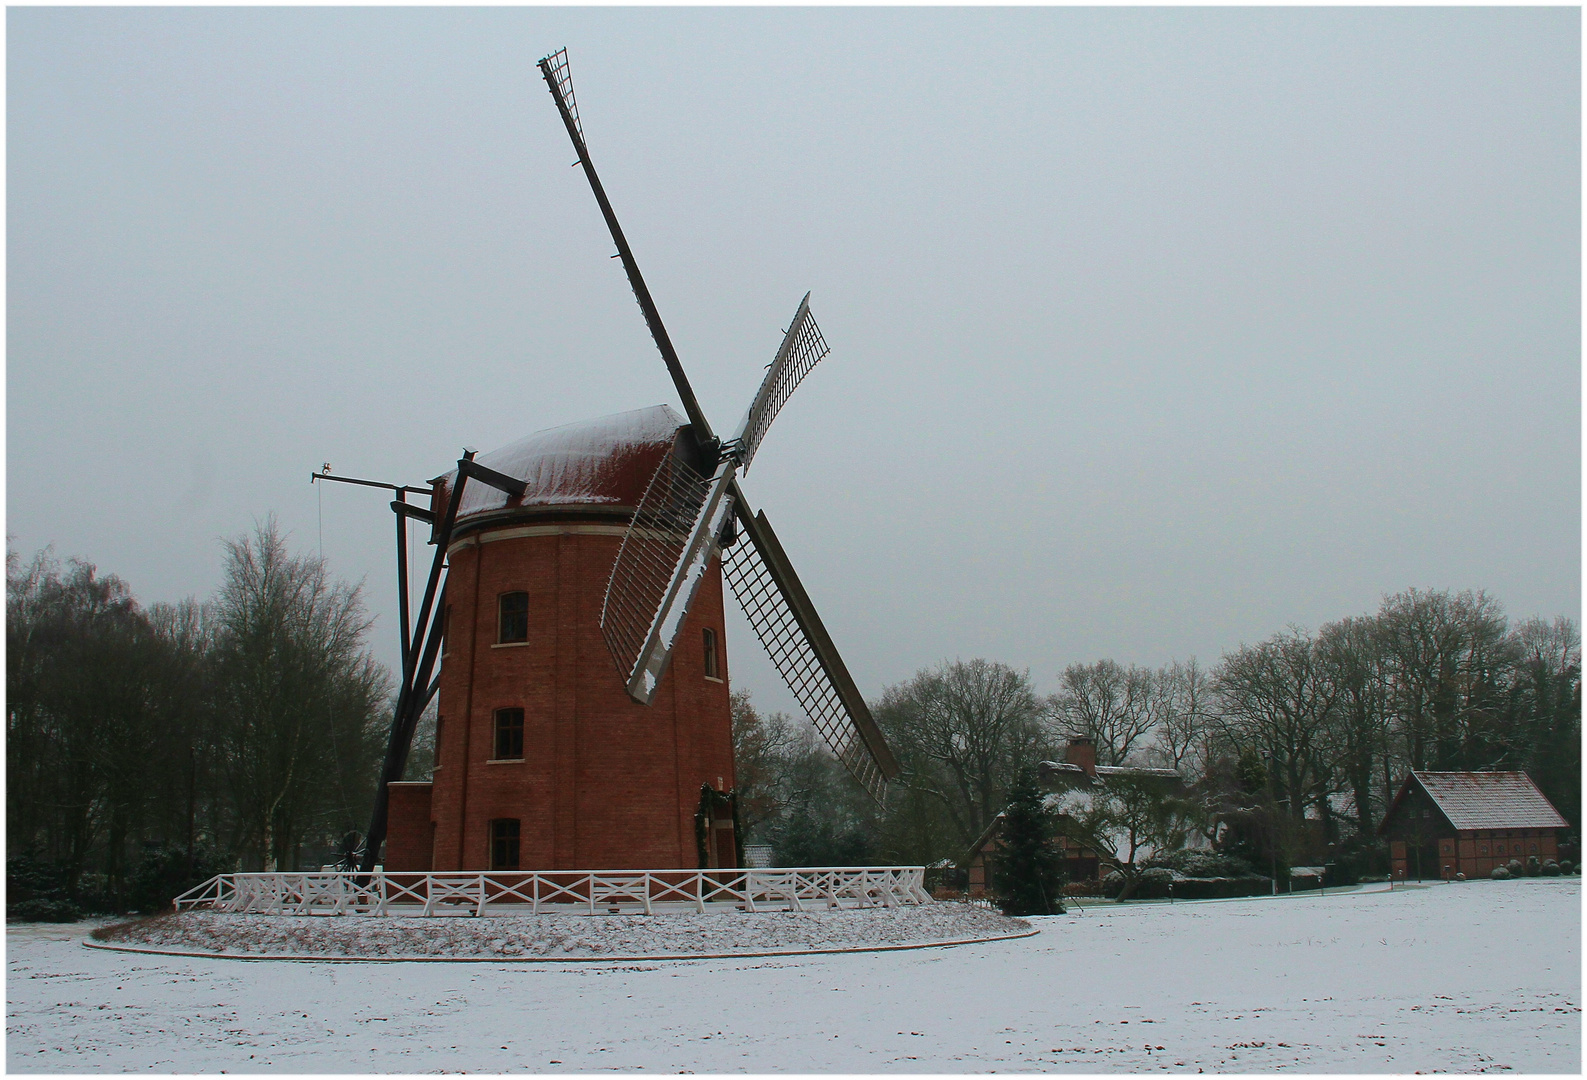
(1152, 331)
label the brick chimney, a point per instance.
(1082, 752)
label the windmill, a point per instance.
(542, 758)
(688, 511)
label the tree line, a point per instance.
(1300, 727)
(150, 746)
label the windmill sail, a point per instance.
(555, 70)
(766, 587)
(684, 516)
(663, 559)
(803, 348)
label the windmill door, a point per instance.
(715, 830)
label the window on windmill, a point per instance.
(509, 734)
(710, 655)
(504, 844)
(514, 624)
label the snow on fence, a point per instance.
(562, 891)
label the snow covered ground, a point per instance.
(1473, 976)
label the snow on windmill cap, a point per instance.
(604, 462)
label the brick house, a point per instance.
(1078, 769)
(1447, 823)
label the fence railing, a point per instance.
(589, 892)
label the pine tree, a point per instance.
(1029, 872)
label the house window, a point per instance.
(514, 622)
(711, 670)
(504, 844)
(509, 733)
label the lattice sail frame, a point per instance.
(558, 63)
(802, 348)
(648, 559)
(773, 620)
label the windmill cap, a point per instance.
(606, 461)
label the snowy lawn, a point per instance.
(1472, 976)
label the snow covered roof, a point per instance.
(606, 461)
(1488, 800)
(1341, 804)
(1105, 771)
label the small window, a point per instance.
(514, 617)
(504, 844)
(440, 722)
(509, 733)
(711, 671)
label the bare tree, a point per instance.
(1181, 706)
(1278, 698)
(303, 703)
(962, 731)
(1358, 729)
(1544, 733)
(1128, 816)
(1448, 659)
(764, 751)
(1110, 704)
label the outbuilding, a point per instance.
(1447, 823)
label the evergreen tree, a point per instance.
(1029, 871)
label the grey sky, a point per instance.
(1153, 330)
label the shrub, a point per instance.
(1551, 869)
(1533, 866)
(42, 910)
(1203, 864)
(165, 874)
(1565, 866)
(1500, 874)
(1515, 867)
(29, 877)
(1155, 883)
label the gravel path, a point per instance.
(561, 937)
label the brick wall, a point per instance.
(408, 827)
(604, 783)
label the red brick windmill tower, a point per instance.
(574, 548)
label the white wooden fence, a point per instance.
(589, 892)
